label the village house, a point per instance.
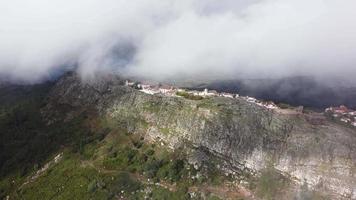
(207, 92)
(352, 113)
(129, 83)
(251, 99)
(346, 120)
(228, 95)
(143, 86)
(268, 105)
(271, 106)
(148, 89)
(330, 109)
(342, 109)
(165, 89)
(353, 123)
(343, 114)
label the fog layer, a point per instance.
(179, 39)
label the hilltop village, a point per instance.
(343, 114)
(168, 90)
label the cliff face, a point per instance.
(248, 138)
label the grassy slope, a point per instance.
(100, 161)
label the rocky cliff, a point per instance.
(245, 137)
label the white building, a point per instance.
(353, 113)
(251, 99)
(228, 95)
(129, 83)
(346, 120)
(207, 92)
(144, 86)
(268, 105)
(271, 106)
(148, 89)
(329, 109)
(165, 89)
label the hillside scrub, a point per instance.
(189, 96)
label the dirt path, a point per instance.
(41, 171)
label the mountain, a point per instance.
(100, 139)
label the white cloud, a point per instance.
(177, 38)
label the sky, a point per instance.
(178, 39)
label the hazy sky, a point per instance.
(164, 39)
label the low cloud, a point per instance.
(179, 39)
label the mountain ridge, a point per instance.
(105, 126)
(237, 130)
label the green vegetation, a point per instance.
(25, 141)
(67, 180)
(189, 96)
(270, 183)
(128, 153)
(165, 131)
(307, 194)
(159, 193)
(103, 165)
(209, 103)
(103, 158)
(285, 106)
(151, 106)
(212, 197)
(71, 179)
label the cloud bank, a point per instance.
(176, 39)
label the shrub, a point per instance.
(175, 171)
(131, 154)
(284, 105)
(150, 152)
(270, 183)
(152, 167)
(124, 182)
(189, 96)
(137, 144)
(92, 186)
